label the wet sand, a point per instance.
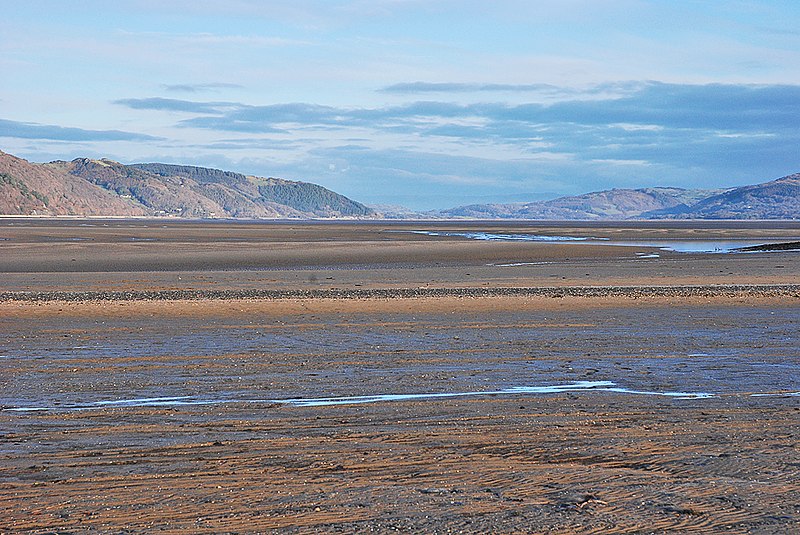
(610, 412)
(121, 255)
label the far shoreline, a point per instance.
(658, 223)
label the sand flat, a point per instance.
(504, 413)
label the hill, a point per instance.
(777, 199)
(609, 204)
(36, 189)
(239, 194)
(87, 187)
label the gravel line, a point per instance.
(725, 290)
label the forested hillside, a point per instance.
(91, 187)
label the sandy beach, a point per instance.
(506, 386)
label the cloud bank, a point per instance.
(631, 134)
(698, 107)
(15, 129)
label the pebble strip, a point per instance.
(726, 290)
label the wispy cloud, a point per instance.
(198, 88)
(22, 130)
(253, 143)
(610, 89)
(231, 125)
(214, 39)
(650, 107)
(454, 87)
(171, 104)
(237, 40)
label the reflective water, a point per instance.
(679, 246)
(648, 353)
(693, 246)
(488, 236)
(596, 386)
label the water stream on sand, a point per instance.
(678, 246)
(579, 386)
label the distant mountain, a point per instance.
(609, 204)
(394, 211)
(86, 187)
(778, 199)
(104, 187)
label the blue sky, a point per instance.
(414, 102)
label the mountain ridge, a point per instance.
(776, 199)
(89, 187)
(616, 203)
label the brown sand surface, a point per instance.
(79, 255)
(669, 414)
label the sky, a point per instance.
(420, 103)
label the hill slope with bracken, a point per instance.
(86, 187)
(35, 189)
